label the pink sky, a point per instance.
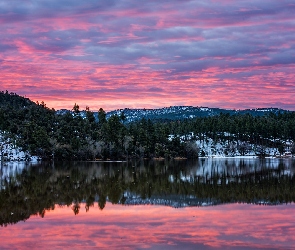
(143, 227)
(149, 54)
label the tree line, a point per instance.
(72, 136)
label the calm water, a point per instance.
(206, 204)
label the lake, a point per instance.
(204, 204)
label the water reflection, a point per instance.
(32, 190)
(230, 226)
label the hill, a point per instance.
(187, 112)
(178, 131)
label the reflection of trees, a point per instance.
(40, 188)
(102, 201)
(76, 207)
(89, 202)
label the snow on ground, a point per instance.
(228, 148)
(222, 149)
(10, 152)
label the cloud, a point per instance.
(123, 48)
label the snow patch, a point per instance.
(10, 152)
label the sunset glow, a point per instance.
(139, 227)
(149, 54)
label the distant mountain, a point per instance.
(12, 100)
(179, 112)
(186, 112)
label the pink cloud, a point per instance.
(115, 55)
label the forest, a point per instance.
(70, 136)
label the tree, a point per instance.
(90, 116)
(281, 148)
(101, 116)
(243, 148)
(230, 149)
(192, 149)
(76, 109)
(126, 143)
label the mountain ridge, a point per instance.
(179, 112)
(187, 112)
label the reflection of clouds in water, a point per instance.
(129, 227)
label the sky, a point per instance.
(149, 54)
